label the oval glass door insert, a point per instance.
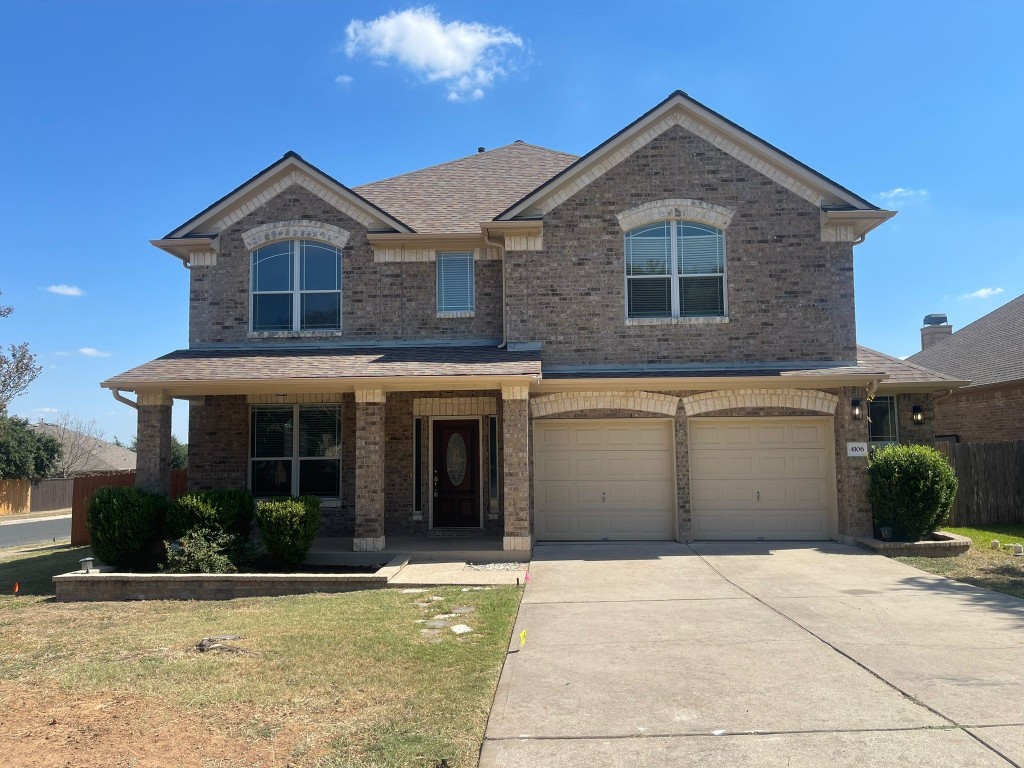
(455, 459)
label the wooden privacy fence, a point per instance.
(50, 495)
(14, 496)
(86, 487)
(991, 477)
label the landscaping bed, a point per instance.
(320, 681)
(981, 565)
(938, 544)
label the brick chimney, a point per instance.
(935, 329)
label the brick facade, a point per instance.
(982, 415)
(369, 474)
(153, 462)
(218, 442)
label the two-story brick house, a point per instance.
(653, 341)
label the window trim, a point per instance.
(438, 258)
(674, 276)
(296, 291)
(295, 458)
(894, 414)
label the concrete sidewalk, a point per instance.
(754, 654)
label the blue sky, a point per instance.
(123, 119)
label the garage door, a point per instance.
(764, 478)
(597, 480)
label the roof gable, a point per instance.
(455, 197)
(275, 179)
(679, 109)
(988, 351)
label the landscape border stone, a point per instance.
(942, 545)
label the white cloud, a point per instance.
(344, 80)
(92, 352)
(65, 290)
(902, 196)
(983, 293)
(465, 56)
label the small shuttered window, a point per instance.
(455, 282)
(675, 269)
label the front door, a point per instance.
(456, 480)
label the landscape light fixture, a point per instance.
(856, 409)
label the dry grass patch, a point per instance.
(981, 565)
(329, 680)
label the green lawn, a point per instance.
(982, 566)
(328, 681)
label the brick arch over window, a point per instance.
(563, 402)
(682, 209)
(724, 399)
(296, 229)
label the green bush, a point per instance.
(202, 550)
(911, 488)
(124, 524)
(229, 511)
(288, 527)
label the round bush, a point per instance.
(124, 524)
(202, 550)
(911, 488)
(229, 511)
(288, 527)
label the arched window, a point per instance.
(296, 286)
(675, 269)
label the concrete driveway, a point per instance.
(756, 655)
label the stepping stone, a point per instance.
(446, 616)
(435, 598)
(461, 629)
(421, 605)
(437, 624)
(412, 591)
(463, 609)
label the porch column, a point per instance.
(153, 444)
(369, 533)
(515, 418)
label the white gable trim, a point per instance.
(679, 110)
(680, 209)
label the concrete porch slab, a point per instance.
(420, 549)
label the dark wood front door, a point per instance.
(456, 479)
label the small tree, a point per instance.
(18, 368)
(911, 488)
(81, 442)
(26, 454)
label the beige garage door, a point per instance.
(597, 480)
(762, 478)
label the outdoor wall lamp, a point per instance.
(856, 410)
(918, 415)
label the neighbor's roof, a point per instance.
(95, 455)
(262, 364)
(455, 197)
(988, 351)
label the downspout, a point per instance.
(504, 309)
(943, 396)
(122, 399)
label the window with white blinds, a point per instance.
(675, 269)
(455, 282)
(290, 461)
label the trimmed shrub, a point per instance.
(124, 524)
(229, 511)
(911, 488)
(202, 550)
(288, 527)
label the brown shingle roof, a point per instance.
(279, 363)
(988, 351)
(901, 371)
(455, 197)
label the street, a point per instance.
(17, 533)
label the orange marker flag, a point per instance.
(15, 587)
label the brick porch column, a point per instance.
(369, 533)
(153, 444)
(515, 416)
(852, 472)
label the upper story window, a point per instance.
(675, 269)
(883, 420)
(455, 289)
(296, 286)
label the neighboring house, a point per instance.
(653, 341)
(83, 454)
(990, 353)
